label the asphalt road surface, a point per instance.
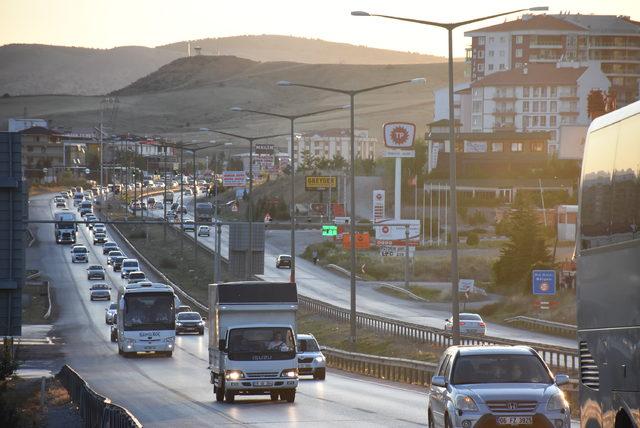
(176, 391)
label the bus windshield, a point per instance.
(149, 311)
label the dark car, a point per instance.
(283, 260)
(183, 308)
(100, 291)
(116, 262)
(189, 322)
(108, 247)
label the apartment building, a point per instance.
(41, 148)
(612, 42)
(333, 142)
(537, 97)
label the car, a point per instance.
(283, 260)
(99, 227)
(110, 313)
(136, 276)
(158, 205)
(114, 253)
(189, 226)
(311, 361)
(189, 322)
(116, 262)
(65, 194)
(90, 220)
(204, 230)
(61, 204)
(108, 247)
(129, 265)
(470, 325)
(135, 206)
(100, 291)
(99, 238)
(183, 308)
(95, 272)
(79, 254)
(493, 386)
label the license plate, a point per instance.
(304, 366)
(515, 420)
(263, 383)
(149, 347)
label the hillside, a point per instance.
(310, 51)
(43, 69)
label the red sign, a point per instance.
(363, 242)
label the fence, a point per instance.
(545, 325)
(558, 357)
(96, 411)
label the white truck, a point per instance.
(252, 347)
(65, 227)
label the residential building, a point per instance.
(537, 97)
(334, 142)
(41, 148)
(612, 42)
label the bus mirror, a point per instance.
(222, 345)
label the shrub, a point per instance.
(137, 234)
(167, 263)
(473, 239)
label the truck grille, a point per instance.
(511, 406)
(589, 373)
(261, 375)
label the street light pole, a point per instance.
(352, 221)
(455, 306)
(291, 119)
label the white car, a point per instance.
(110, 312)
(128, 266)
(136, 276)
(470, 325)
(311, 361)
(204, 231)
(189, 226)
(79, 254)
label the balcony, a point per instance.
(546, 45)
(504, 97)
(504, 127)
(569, 113)
(504, 112)
(544, 58)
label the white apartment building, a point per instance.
(333, 142)
(538, 97)
(613, 42)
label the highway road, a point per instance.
(319, 283)
(176, 391)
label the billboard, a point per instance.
(378, 205)
(234, 178)
(320, 182)
(263, 149)
(393, 233)
(399, 135)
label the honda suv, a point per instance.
(479, 386)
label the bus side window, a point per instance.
(625, 209)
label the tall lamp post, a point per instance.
(450, 26)
(352, 94)
(291, 119)
(249, 272)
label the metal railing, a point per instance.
(96, 410)
(538, 323)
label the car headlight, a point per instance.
(464, 402)
(319, 359)
(233, 374)
(289, 373)
(129, 342)
(557, 402)
(179, 324)
(201, 323)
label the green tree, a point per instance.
(525, 249)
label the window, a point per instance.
(534, 120)
(525, 92)
(481, 41)
(519, 39)
(543, 92)
(525, 106)
(501, 39)
(536, 91)
(480, 67)
(543, 106)
(552, 135)
(490, 66)
(43, 149)
(518, 53)
(553, 92)
(29, 149)
(536, 106)
(537, 146)
(518, 65)
(477, 93)
(501, 66)
(516, 147)
(477, 106)
(552, 121)
(543, 120)
(477, 121)
(491, 53)
(553, 106)
(525, 121)
(481, 54)
(573, 106)
(443, 365)
(497, 147)
(502, 53)
(492, 40)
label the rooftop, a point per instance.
(548, 74)
(529, 22)
(492, 136)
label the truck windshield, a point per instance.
(261, 343)
(149, 311)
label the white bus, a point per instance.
(146, 319)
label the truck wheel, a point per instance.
(120, 351)
(320, 374)
(168, 354)
(219, 391)
(274, 396)
(229, 397)
(290, 396)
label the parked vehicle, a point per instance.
(470, 325)
(494, 386)
(95, 272)
(252, 348)
(187, 322)
(311, 360)
(79, 254)
(283, 260)
(99, 292)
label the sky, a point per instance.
(110, 23)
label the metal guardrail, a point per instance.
(558, 357)
(552, 326)
(395, 369)
(96, 410)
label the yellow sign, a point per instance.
(322, 182)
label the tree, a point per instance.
(525, 249)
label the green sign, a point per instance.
(329, 230)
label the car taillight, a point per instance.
(482, 324)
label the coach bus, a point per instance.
(608, 271)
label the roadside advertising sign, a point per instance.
(466, 285)
(395, 251)
(234, 178)
(263, 149)
(543, 282)
(394, 234)
(399, 135)
(378, 205)
(320, 183)
(363, 242)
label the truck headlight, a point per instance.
(233, 374)
(319, 359)
(289, 373)
(464, 402)
(557, 402)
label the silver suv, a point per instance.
(478, 386)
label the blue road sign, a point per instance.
(543, 282)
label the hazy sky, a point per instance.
(109, 23)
